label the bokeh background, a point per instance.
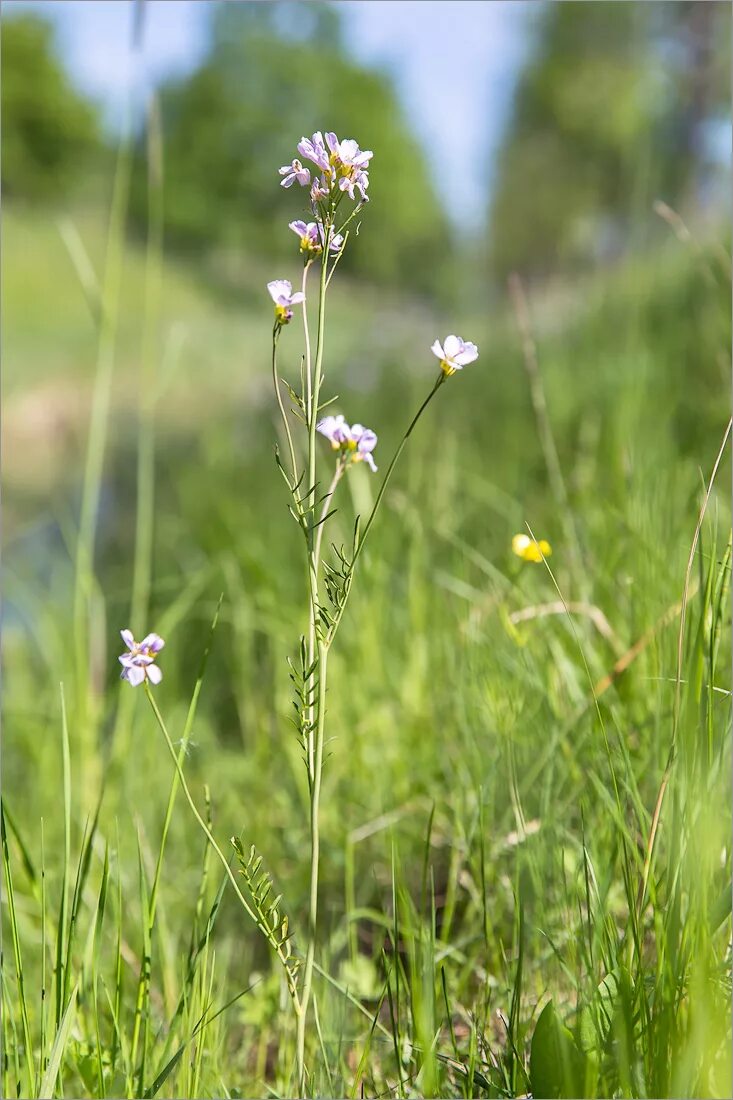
(582, 147)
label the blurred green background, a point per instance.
(458, 696)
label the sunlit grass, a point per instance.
(490, 788)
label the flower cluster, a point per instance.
(138, 663)
(530, 549)
(281, 292)
(454, 354)
(343, 167)
(355, 443)
(312, 238)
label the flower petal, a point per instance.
(468, 354)
(280, 291)
(134, 675)
(437, 349)
(154, 674)
(452, 346)
(127, 638)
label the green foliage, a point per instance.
(556, 1066)
(272, 69)
(50, 132)
(609, 115)
(501, 734)
(465, 736)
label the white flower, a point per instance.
(454, 354)
(293, 172)
(281, 292)
(355, 443)
(138, 663)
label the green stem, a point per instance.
(146, 438)
(362, 538)
(307, 342)
(96, 447)
(340, 467)
(314, 385)
(283, 414)
(209, 836)
(315, 857)
(315, 648)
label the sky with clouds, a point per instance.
(454, 63)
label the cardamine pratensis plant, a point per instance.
(338, 194)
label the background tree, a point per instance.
(610, 113)
(50, 133)
(273, 72)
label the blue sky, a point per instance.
(454, 63)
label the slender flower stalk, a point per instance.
(207, 831)
(342, 174)
(317, 659)
(343, 171)
(283, 414)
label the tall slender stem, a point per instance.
(307, 343)
(313, 376)
(340, 467)
(317, 653)
(315, 859)
(283, 414)
(362, 538)
(84, 575)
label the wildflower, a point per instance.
(312, 236)
(530, 549)
(335, 429)
(355, 443)
(314, 150)
(454, 354)
(281, 292)
(319, 190)
(293, 172)
(139, 663)
(364, 440)
(349, 164)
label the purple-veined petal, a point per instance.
(134, 675)
(127, 638)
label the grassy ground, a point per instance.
(501, 732)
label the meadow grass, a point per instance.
(501, 908)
